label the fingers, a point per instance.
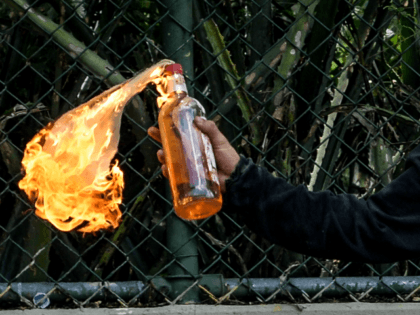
(226, 156)
(165, 171)
(161, 156)
(154, 133)
(210, 129)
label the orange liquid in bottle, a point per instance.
(195, 189)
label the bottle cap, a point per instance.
(174, 68)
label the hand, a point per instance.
(225, 155)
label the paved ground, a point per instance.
(304, 309)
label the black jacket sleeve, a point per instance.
(384, 228)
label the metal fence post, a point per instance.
(177, 45)
(177, 37)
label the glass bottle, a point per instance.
(188, 152)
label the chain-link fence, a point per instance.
(324, 93)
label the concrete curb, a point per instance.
(306, 309)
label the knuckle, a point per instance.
(212, 125)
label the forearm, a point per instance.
(326, 225)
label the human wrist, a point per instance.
(237, 171)
(233, 163)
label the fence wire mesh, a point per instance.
(322, 93)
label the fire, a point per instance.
(161, 84)
(68, 174)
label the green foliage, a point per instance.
(279, 62)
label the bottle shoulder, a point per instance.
(189, 103)
(181, 104)
(173, 100)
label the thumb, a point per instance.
(226, 156)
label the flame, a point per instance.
(67, 164)
(161, 87)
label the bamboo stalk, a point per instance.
(260, 29)
(214, 77)
(338, 98)
(381, 160)
(99, 67)
(223, 56)
(237, 53)
(313, 84)
(353, 92)
(265, 66)
(291, 49)
(410, 67)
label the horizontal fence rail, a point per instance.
(308, 289)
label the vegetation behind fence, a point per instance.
(322, 93)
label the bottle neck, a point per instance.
(176, 84)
